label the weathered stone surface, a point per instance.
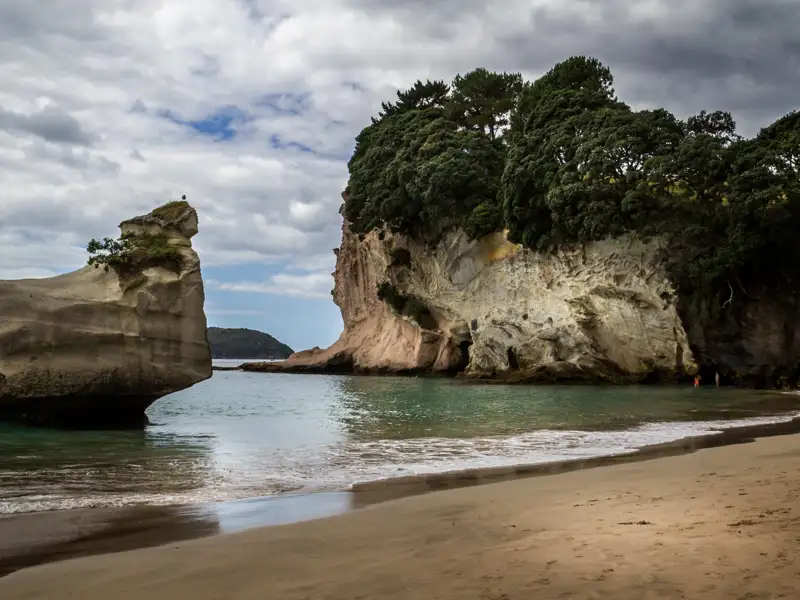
(91, 347)
(602, 312)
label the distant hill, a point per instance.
(245, 343)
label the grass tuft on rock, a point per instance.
(171, 210)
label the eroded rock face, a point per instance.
(751, 336)
(603, 312)
(90, 347)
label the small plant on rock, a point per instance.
(405, 305)
(133, 252)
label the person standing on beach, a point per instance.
(716, 378)
(697, 381)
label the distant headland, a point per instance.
(245, 343)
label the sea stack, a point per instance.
(97, 346)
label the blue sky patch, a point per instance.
(220, 124)
(300, 322)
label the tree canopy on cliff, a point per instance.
(562, 160)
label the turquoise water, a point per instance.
(242, 435)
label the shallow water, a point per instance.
(242, 435)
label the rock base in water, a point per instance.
(81, 412)
(602, 312)
(99, 345)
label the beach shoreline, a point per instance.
(36, 538)
(721, 523)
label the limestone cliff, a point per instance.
(99, 345)
(601, 312)
(604, 311)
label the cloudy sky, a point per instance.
(109, 108)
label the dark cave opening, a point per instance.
(463, 360)
(652, 378)
(513, 362)
(765, 379)
(707, 372)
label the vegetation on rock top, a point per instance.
(562, 160)
(171, 210)
(132, 252)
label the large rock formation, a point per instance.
(604, 311)
(99, 345)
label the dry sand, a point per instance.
(719, 523)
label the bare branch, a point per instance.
(728, 301)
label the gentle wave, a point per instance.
(340, 466)
(541, 446)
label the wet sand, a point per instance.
(720, 523)
(36, 538)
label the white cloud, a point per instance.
(309, 285)
(85, 86)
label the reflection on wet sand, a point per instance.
(31, 539)
(102, 467)
(37, 538)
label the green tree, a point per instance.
(418, 171)
(111, 252)
(579, 73)
(574, 163)
(132, 252)
(697, 170)
(576, 74)
(553, 128)
(718, 124)
(781, 140)
(430, 94)
(482, 100)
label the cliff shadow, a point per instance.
(79, 412)
(748, 337)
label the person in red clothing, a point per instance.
(697, 381)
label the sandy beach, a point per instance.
(719, 523)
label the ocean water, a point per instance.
(241, 435)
